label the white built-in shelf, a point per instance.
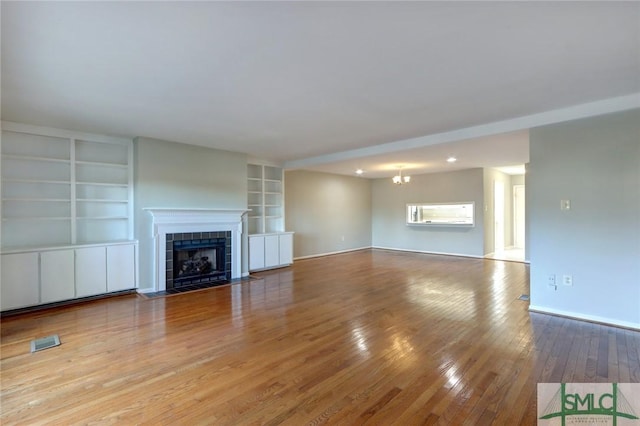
(98, 200)
(63, 188)
(36, 158)
(55, 200)
(25, 218)
(118, 185)
(98, 164)
(102, 217)
(265, 198)
(20, 180)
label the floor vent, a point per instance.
(524, 297)
(45, 343)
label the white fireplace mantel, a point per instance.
(174, 220)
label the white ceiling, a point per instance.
(506, 149)
(318, 85)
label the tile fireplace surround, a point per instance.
(174, 221)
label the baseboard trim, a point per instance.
(390, 249)
(69, 302)
(584, 317)
(331, 253)
(428, 252)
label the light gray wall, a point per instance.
(169, 174)
(594, 163)
(389, 228)
(517, 180)
(490, 176)
(321, 208)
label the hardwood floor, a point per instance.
(373, 337)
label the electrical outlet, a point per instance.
(565, 204)
(567, 280)
(342, 238)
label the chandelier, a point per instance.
(399, 179)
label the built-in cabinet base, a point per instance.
(267, 251)
(31, 278)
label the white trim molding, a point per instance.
(331, 253)
(584, 317)
(441, 253)
(173, 220)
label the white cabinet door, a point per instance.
(91, 271)
(256, 252)
(286, 249)
(20, 284)
(271, 251)
(121, 272)
(57, 277)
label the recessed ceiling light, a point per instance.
(452, 159)
(359, 171)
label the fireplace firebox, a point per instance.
(198, 258)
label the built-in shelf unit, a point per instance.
(265, 199)
(63, 190)
(59, 188)
(269, 245)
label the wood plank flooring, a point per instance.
(368, 337)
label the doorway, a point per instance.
(498, 216)
(508, 217)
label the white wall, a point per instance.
(594, 163)
(389, 228)
(322, 208)
(169, 174)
